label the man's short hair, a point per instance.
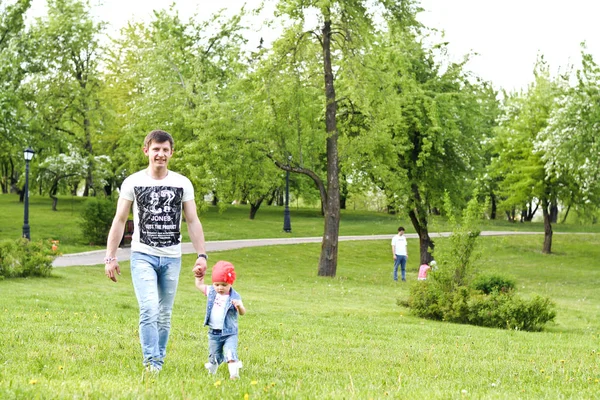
(158, 136)
(400, 228)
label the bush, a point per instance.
(23, 258)
(493, 283)
(96, 219)
(425, 300)
(505, 310)
(495, 310)
(455, 293)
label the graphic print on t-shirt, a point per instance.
(159, 212)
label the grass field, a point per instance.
(233, 223)
(74, 335)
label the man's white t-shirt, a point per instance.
(157, 211)
(399, 243)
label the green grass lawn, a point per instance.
(74, 335)
(233, 223)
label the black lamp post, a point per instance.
(287, 224)
(28, 155)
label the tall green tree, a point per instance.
(524, 179)
(426, 121)
(309, 68)
(13, 70)
(66, 103)
(170, 74)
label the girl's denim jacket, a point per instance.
(230, 325)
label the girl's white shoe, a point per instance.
(234, 369)
(212, 368)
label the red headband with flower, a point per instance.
(223, 271)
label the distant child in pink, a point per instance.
(423, 269)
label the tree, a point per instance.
(525, 180)
(13, 69)
(569, 146)
(426, 122)
(66, 170)
(66, 102)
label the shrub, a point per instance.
(457, 256)
(505, 310)
(455, 293)
(425, 300)
(23, 258)
(96, 219)
(493, 283)
(496, 310)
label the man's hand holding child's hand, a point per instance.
(199, 271)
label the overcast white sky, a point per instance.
(507, 34)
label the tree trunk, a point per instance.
(4, 178)
(343, 193)
(566, 214)
(52, 193)
(529, 212)
(547, 249)
(494, 206)
(329, 245)
(553, 213)
(255, 206)
(272, 197)
(418, 217)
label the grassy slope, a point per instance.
(75, 335)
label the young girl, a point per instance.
(423, 269)
(224, 305)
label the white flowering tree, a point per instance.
(519, 163)
(569, 144)
(67, 170)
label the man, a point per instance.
(400, 254)
(159, 196)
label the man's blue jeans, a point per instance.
(400, 261)
(155, 282)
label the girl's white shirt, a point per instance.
(217, 314)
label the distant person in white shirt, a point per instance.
(400, 254)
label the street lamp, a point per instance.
(28, 155)
(287, 224)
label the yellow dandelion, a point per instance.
(272, 383)
(542, 371)
(217, 383)
(33, 381)
(596, 381)
(253, 382)
(60, 367)
(562, 361)
(246, 396)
